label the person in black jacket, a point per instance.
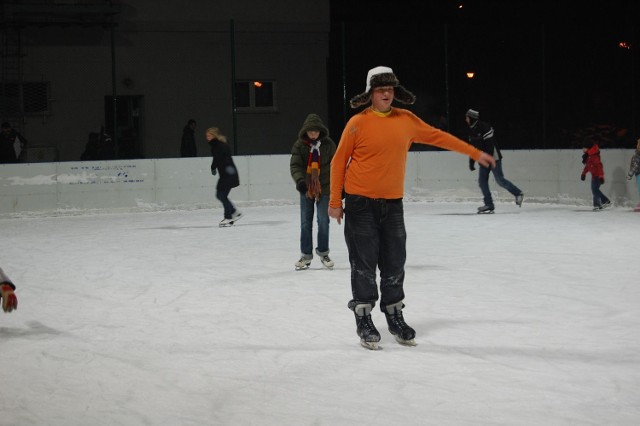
(9, 299)
(223, 163)
(310, 167)
(188, 144)
(481, 135)
(12, 144)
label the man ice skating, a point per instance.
(481, 135)
(369, 165)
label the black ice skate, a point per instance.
(369, 335)
(400, 330)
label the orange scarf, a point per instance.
(313, 171)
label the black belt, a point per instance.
(380, 200)
(387, 200)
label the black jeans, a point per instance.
(223, 196)
(376, 238)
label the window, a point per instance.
(255, 96)
(27, 98)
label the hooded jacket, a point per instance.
(593, 164)
(300, 152)
(481, 135)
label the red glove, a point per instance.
(601, 180)
(9, 299)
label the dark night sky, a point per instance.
(544, 72)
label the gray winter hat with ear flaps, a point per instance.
(381, 77)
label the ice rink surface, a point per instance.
(529, 316)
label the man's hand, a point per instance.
(337, 213)
(487, 160)
(9, 299)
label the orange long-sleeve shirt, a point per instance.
(372, 153)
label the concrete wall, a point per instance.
(551, 176)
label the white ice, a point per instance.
(530, 316)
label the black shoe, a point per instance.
(397, 326)
(366, 330)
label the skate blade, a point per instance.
(373, 346)
(490, 212)
(301, 268)
(404, 342)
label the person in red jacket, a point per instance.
(7, 288)
(369, 166)
(593, 165)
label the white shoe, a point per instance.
(303, 263)
(519, 199)
(236, 215)
(225, 223)
(326, 261)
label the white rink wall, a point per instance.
(545, 176)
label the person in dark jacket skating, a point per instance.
(223, 164)
(310, 167)
(481, 135)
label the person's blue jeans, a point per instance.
(223, 196)
(376, 238)
(598, 197)
(307, 208)
(483, 182)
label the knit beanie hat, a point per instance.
(381, 77)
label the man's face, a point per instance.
(382, 97)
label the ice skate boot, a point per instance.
(485, 210)
(369, 335)
(235, 216)
(224, 223)
(327, 262)
(325, 259)
(303, 263)
(400, 330)
(519, 199)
